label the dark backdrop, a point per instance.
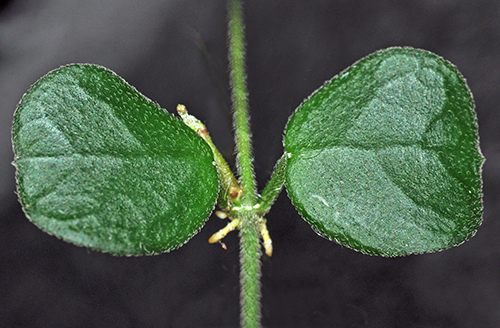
(175, 52)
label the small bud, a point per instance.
(221, 214)
(181, 109)
(203, 132)
(234, 192)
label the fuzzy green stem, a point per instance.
(250, 253)
(228, 183)
(240, 104)
(273, 187)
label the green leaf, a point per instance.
(100, 165)
(385, 158)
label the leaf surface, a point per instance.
(100, 165)
(384, 158)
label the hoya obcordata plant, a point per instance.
(384, 159)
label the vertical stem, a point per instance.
(240, 104)
(250, 253)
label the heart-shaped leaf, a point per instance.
(100, 165)
(384, 158)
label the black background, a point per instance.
(161, 48)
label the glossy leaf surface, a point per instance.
(384, 158)
(100, 165)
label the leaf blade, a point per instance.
(379, 144)
(100, 165)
